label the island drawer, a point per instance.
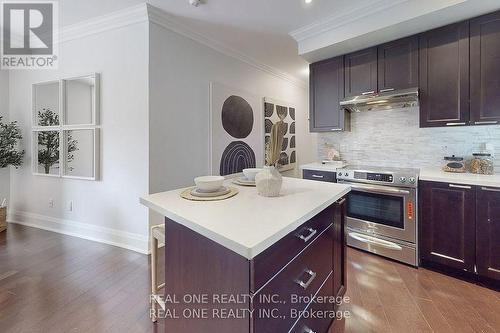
(292, 289)
(325, 176)
(319, 315)
(271, 261)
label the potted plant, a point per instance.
(10, 155)
(269, 180)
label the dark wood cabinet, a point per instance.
(326, 84)
(488, 232)
(324, 176)
(398, 64)
(361, 72)
(444, 76)
(447, 225)
(339, 249)
(485, 69)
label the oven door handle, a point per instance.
(375, 241)
(378, 189)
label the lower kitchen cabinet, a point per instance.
(488, 232)
(447, 225)
(460, 229)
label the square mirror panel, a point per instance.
(47, 153)
(80, 100)
(46, 104)
(79, 153)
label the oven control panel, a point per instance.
(402, 177)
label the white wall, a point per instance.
(4, 112)
(180, 72)
(393, 138)
(107, 210)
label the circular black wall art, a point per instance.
(237, 117)
(236, 157)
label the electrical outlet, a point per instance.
(51, 203)
(70, 206)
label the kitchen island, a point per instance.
(254, 264)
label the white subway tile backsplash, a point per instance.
(393, 138)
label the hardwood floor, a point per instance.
(391, 297)
(56, 283)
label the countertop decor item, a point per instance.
(482, 164)
(269, 180)
(209, 183)
(188, 195)
(454, 164)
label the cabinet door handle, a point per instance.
(336, 129)
(455, 124)
(341, 201)
(485, 122)
(490, 189)
(307, 238)
(386, 90)
(312, 276)
(460, 186)
(368, 92)
(318, 176)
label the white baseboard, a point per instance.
(127, 240)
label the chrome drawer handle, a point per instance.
(460, 186)
(455, 124)
(368, 92)
(490, 189)
(312, 276)
(307, 238)
(485, 122)
(308, 330)
(318, 176)
(386, 90)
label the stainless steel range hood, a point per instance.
(385, 100)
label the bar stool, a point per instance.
(157, 236)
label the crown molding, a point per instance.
(343, 18)
(169, 22)
(147, 13)
(115, 20)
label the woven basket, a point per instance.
(3, 219)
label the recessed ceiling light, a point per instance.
(308, 1)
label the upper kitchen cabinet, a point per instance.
(326, 90)
(485, 69)
(447, 225)
(444, 76)
(361, 72)
(398, 64)
(488, 232)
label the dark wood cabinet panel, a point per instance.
(488, 233)
(447, 225)
(326, 84)
(361, 72)
(324, 176)
(485, 69)
(444, 76)
(398, 64)
(339, 248)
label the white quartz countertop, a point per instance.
(317, 166)
(437, 175)
(247, 223)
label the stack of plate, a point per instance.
(197, 192)
(244, 181)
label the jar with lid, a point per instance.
(482, 164)
(454, 164)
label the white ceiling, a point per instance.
(258, 28)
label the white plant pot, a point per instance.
(269, 182)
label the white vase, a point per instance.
(268, 182)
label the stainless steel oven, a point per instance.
(382, 211)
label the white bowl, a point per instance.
(251, 173)
(209, 183)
